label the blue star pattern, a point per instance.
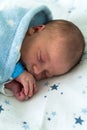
(84, 110)
(51, 115)
(46, 83)
(25, 125)
(49, 118)
(45, 96)
(7, 102)
(80, 77)
(61, 93)
(1, 109)
(70, 10)
(54, 87)
(79, 120)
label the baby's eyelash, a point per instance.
(40, 57)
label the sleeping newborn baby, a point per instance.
(47, 50)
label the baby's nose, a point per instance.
(37, 72)
(37, 69)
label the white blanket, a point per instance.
(61, 102)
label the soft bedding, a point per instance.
(61, 102)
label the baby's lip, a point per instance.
(36, 76)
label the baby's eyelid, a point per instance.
(40, 57)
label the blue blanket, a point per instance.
(13, 26)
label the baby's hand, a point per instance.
(16, 88)
(29, 84)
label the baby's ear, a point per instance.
(35, 29)
(30, 31)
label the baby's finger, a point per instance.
(20, 96)
(26, 88)
(35, 88)
(30, 88)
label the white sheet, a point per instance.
(61, 102)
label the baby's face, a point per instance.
(44, 57)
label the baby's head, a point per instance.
(71, 40)
(52, 49)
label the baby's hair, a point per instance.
(73, 38)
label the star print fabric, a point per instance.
(61, 102)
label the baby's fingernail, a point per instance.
(26, 98)
(25, 93)
(30, 95)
